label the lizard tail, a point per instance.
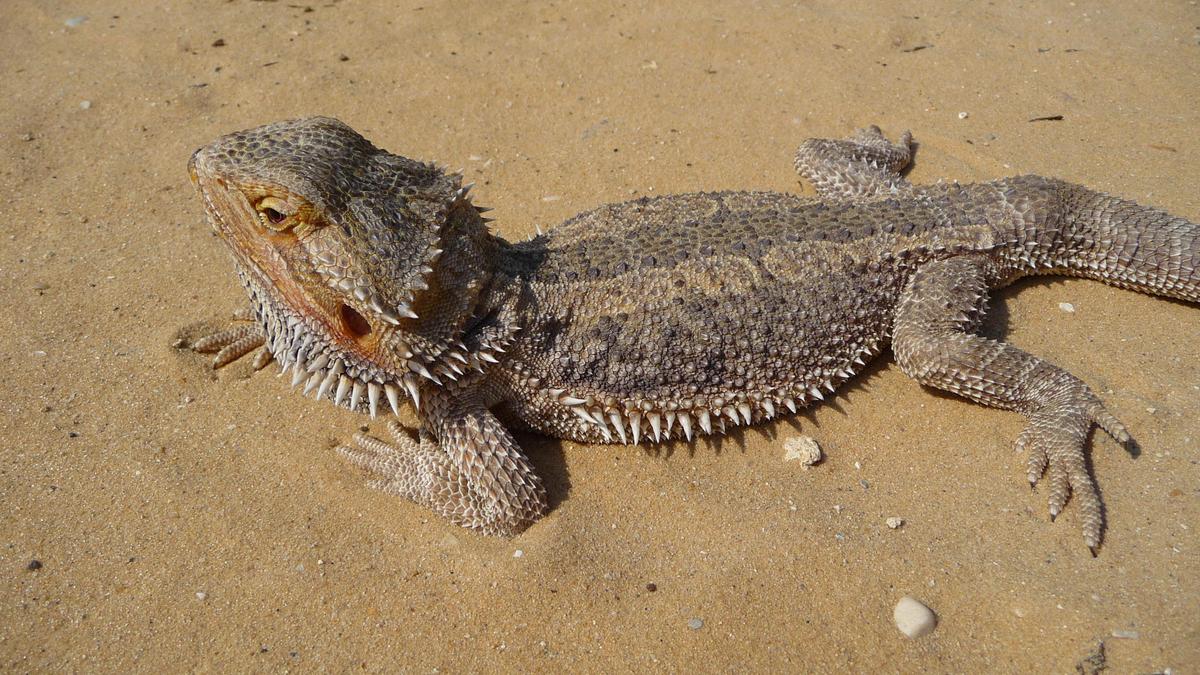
(1082, 232)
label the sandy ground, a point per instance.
(185, 520)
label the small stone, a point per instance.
(963, 115)
(34, 565)
(27, 137)
(75, 21)
(802, 448)
(894, 522)
(85, 105)
(696, 624)
(1067, 307)
(518, 553)
(1151, 409)
(201, 595)
(343, 57)
(219, 42)
(40, 285)
(652, 587)
(913, 618)
(1125, 634)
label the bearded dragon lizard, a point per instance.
(374, 278)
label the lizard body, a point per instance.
(373, 277)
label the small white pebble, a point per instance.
(518, 553)
(1125, 634)
(894, 522)
(551, 198)
(75, 21)
(1067, 307)
(696, 624)
(802, 448)
(1151, 409)
(85, 104)
(963, 115)
(201, 595)
(913, 618)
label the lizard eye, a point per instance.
(275, 214)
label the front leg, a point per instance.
(932, 343)
(465, 466)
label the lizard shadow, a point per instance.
(549, 461)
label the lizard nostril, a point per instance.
(354, 322)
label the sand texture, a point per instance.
(189, 520)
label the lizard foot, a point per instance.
(876, 147)
(1055, 439)
(242, 336)
(404, 467)
(864, 166)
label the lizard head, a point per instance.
(362, 266)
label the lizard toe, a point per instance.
(1055, 440)
(231, 343)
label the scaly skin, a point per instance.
(373, 278)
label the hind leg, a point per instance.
(933, 345)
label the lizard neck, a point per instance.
(475, 289)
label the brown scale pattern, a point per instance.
(655, 319)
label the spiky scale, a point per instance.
(655, 425)
(373, 398)
(343, 388)
(393, 397)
